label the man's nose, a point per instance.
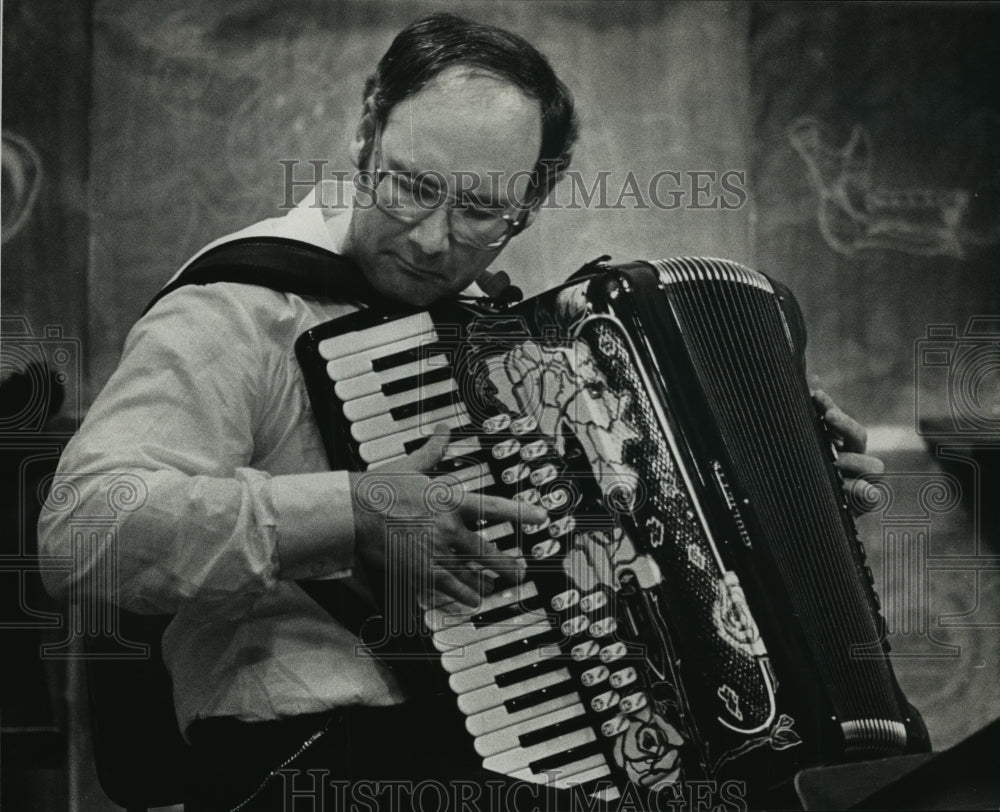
(433, 232)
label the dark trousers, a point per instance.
(398, 758)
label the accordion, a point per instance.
(697, 606)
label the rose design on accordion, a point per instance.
(562, 387)
(733, 620)
(596, 558)
(649, 750)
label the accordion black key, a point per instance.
(698, 604)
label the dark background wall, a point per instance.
(876, 181)
(867, 135)
(135, 132)
(195, 106)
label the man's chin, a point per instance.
(413, 292)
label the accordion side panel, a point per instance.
(800, 536)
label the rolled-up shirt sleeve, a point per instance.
(166, 467)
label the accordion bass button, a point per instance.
(556, 499)
(543, 475)
(564, 600)
(514, 474)
(560, 527)
(530, 529)
(603, 627)
(523, 425)
(624, 677)
(530, 496)
(574, 625)
(613, 652)
(534, 450)
(545, 549)
(582, 651)
(506, 448)
(602, 702)
(496, 424)
(595, 600)
(633, 702)
(614, 726)
(594, 675)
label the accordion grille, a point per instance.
(738, 342)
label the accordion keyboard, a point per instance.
(525, 705)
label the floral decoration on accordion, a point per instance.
(649, 750)
(564, 387)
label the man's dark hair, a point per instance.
(427, 47)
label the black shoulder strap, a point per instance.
(289, 266)
(279, 263)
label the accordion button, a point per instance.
(566, 599)
(530, 496)
(533, 451)
(545, 549)
(560, 527)
(582, 651)
(543, 475)
(614, 726)
(531, 528)
(870, 575)
(603, 627)
(613, 652)
(633, 702)
(602, 702)
(592, 676)
(523, 425)
(556, 499)
(624, 677)
(595, 600)
(493, 425)
(514, 474)
(506, 448)
(574, 625)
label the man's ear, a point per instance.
(362, 137)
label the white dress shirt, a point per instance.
(208, 409)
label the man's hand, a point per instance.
(851, 440)
(447, 562)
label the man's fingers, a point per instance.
(823, 399)
(427, 457)
(477, 506)
(470, 547)
(848, 430)
(853, 465)
(447, 584)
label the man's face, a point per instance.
(477, 125)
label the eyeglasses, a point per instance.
(410, 197)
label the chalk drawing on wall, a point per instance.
(22, 178)
(854, 214)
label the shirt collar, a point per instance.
(323, 216)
